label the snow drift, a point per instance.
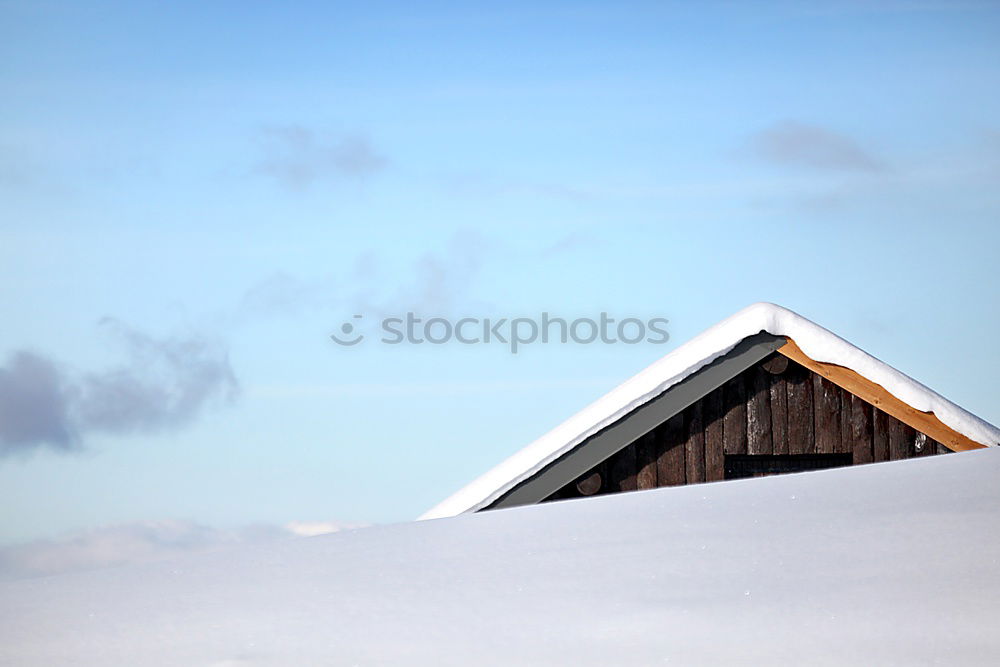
(892, 563)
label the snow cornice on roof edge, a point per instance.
(817, 343)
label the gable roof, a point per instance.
(808, 343)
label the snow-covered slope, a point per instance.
(817, 343)
(887, 564)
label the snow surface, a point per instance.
(885, 564)
(815, 341)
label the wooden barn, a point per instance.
(764, 392)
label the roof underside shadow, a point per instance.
(639, 422)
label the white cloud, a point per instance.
(313, 528)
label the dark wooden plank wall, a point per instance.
(775, 407)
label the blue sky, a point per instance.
(229, 183)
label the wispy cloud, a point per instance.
(439, 281)
(282, 294)
(569, 243)
(142, 541)
(162, 384)
(481, 184)
(799, 145)
(297, 157)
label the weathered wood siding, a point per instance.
(775, 407)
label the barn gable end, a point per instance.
(763, 392)
(776, 416)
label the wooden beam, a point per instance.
(859, 432)
(880, 435)
(712, 416)
(760, 438)
(671, 465)
(875, 394)
(734, 424)
(799, 403)
(589, 485)
(826, 416)
(645, 476)
(694, 444)
(779, 411)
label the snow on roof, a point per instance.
(880, 564)
(815, 341)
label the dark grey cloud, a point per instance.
(34, 405)
(142, 541)
(297, 158)
(162, 384)
(799, 145)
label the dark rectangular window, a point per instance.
(738, 466)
